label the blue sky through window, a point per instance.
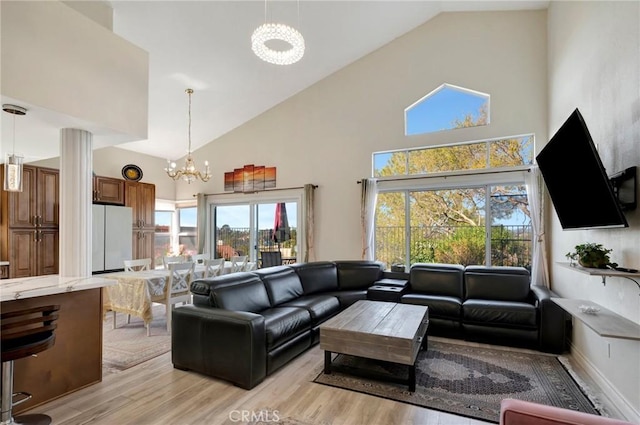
(238, 215)
(438, 110)
(163, 218)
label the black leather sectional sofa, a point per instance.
(242, 327)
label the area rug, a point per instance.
(466, 380)
(128, 344)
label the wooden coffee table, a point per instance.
(377, 330)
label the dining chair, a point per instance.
(200, 258)
(213, 267)
(239, 263)
(168, 259)
(134, 266)
(270, 258)
(177, 288)
(137, 265)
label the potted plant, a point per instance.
(592, 255)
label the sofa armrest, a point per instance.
(519, 412)
(541, 293)
(551, 337)
(395, 275)
(229, 345)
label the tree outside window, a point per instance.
(484, 224)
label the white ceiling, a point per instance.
(205, 45)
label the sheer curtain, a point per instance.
(309, 222)
(535, 194)
(201, 213)
(368, 214)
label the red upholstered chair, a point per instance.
(518, 412)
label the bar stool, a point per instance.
(24, 333)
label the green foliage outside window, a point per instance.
(449, 226)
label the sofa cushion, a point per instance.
(347, 298)
(437, 279)
(282, 283)
(439, 306)
(284, 323)
(236, 291)
(497, 283)
(358, 274)
(317, 277)
(499, 313)
(320, 307)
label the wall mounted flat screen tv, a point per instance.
(578, 185)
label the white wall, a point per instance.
(326, 134)
(57, 59)
(594, 65)
(97, 10)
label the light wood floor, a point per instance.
(156, 393)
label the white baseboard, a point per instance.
(620, 403)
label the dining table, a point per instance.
(136, 291)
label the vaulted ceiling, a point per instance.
(205, 45)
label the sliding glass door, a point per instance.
(255, 227)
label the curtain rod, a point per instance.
(419, 176)
(315, 186)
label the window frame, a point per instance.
(178, 228)
(451, 181)
(487, 168)
(280, 195)
(169, 233)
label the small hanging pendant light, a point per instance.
(13, 161)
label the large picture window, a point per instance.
(462, 204)
(487, 224)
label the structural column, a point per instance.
(76, 184)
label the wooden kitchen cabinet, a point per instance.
(34, 252)
(107, 190)
(29, 224)
(143, 244)
(37, 204)
(141, 197)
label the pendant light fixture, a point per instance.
(13, 162)
(188, 172)
(269, 32)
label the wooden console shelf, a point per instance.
(603, 273)
(598, 272)
(605, 323)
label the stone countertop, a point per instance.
(38, 286)
(4, 263)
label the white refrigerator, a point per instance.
(111, 237)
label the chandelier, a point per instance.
(269, 32)
(13, 162)
(188, 172)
